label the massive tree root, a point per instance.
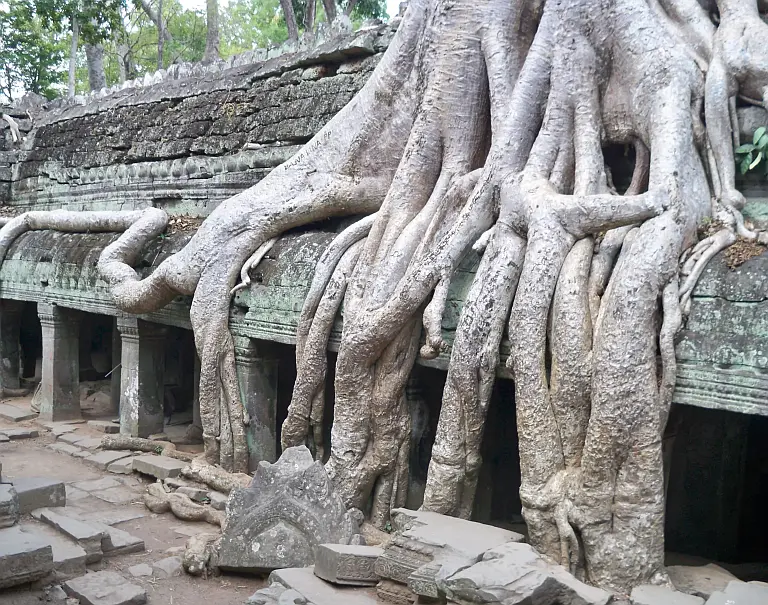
(484, 125)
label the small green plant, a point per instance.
(750, 156)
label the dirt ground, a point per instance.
(164, 535)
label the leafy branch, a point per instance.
(755, 154)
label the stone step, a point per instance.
(24, 557)
(306, 584)
(160, 467)
(68, 556)
(9, 505)
(15, 434)
(102, 460)
(119, 542)
(64, 448)
(105, 426)
(14, 414)
(89, 536)
(39, 492)
(105, 588)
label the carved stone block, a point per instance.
(289, 509)
(347, 564)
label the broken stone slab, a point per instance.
(218, 500)
(175, 483)
(4, 438)
(14, 434)
(63, 429)
(121, 467)
(119, 542)
(316, 591)
(112, 517)
(105, 588)
(141, 570)
(741, 593)
(9, 505)
(14, 414)
(24, 557)
(116, 495)
(82, 454)
(194, 493)
(89, 443)
(105, 426)
(661, 595)
(56, 593)
(267, 524)
(70, 437)
(74, 494)
(168, 567)
(94, 485)
(86, 535)
(347, 564)
(68, 556)
(160, 467)
(64, 448)
(515, 573)
(102, 460)
(39, 492)
(699, 580)
(424, 542)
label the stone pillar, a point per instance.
(257, 375)
(196, 421)
(115, 385)
(10, 322)
(142, 377)
(59, 393)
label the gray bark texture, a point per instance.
(73, 58)
(97, 78)
(212, 33)
(290, 20)
(483, 126)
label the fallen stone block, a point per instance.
(266, 527)
(119, 542)
(105, 426)
(347, 564)
(741, 593)
(68, 556)
(218, 500)
(102, 460)
(64, 448)
(140, 571)
(194, 493)
(317, 592)
(89, 443)
(515, 573)
(168, 567)
(24, 557)
(160, 467)
(14, 434)
(39, 492)
(9, 505)
(86, 535)
(105, 588)
(699, 580)
(121, 467)
(14, 414)
(74, 494)
(55, 594)
(661, 595)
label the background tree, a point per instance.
(30, 54)
(212, 33)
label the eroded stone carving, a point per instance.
(289, 509)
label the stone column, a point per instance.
(59, 393)
(10, 321)
(115, 385)
(257, 375)
(142, 377)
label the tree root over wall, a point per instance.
(484, 126)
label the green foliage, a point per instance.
(30, 53)
(250, 24)
(98, 19)
(754, 155)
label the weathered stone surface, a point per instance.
(14, 414)
(311, 588)
(218, 500)
(14, 434)
(103, 459)
(700, 580)
(105, 588)
(4, 438)
(86, 535)
(105, 426)
(160, 467)
(424, 542)
(121, 467)
(64, 448)
(9, 505)
(24, 557)
(39, 492)
(56, 593)
(74, 494)
(68, 556)
(89, 443)
(661, 595)
(168, 567)
(514, 573)
(116, 495)
(94, 485)
(118, 542)
(195, 493)
(741, 593)
(62, 429)
(175, 483)
(288, 510)
(71, 438)
(347, 564)
(141, 570)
